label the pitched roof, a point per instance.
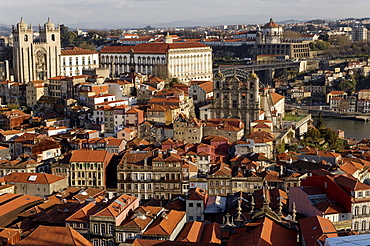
(197, 194)
(142, 217)
(276, 97)
(165, 225)
(35, 178)
(56, 236)
(314, 227)
(90, 156)
(263, 232)
(116, 206)
(155, 48)
(351, 183)
(191, 232)
(77, 51)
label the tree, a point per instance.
(322, 45)
(13, 106)
(338, 40)
(172, 82)
(324, 37)
(320, 122)
(85, 45)
(291, 34)
(67, 37)
(281, 147)
(346, 85)
(312, 135)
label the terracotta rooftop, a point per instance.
(34, 178)
(56, 236)
(165, 225)
(191, 232)
(314, 227)
(142, 217)
(90, 156)
(262, 233)
(276, 97)
(77, 51)
(155, 48)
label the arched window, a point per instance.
(356, 210)
(355, 226)
(363, 225)
(217, 84)
(25, 38)
(364, 209)
(52, 37)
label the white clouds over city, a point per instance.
(159, 11)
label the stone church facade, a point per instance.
(236, 97)
(36, 59)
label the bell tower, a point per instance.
(36, 59)
(22, 51)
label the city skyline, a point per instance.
(135, 13)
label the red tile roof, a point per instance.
(155, 48)
(165, 225)
(77, 51)
(56, 236)
(90, 156)
(34, 178)
(314, 227)
(265, 232)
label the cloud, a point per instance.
(156, 11)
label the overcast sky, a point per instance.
(160, 11)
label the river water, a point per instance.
(352, 128)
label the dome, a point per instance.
(49, 25)
(219, 73)
(271, 24)
(253, 75)
(22, 24)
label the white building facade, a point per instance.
(73, 61)
(185, 61)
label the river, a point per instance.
(352, 128)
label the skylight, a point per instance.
(32, 178)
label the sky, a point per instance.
(151, 12)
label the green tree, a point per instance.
(67, 37)
(281, 147)
(320, 122)
(13, 106)
(324, 37)
(338, 40)
(85, 45)
(346, 85)
(172, 82)
(312, 135)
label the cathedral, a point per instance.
(36, 58)
(236, 98)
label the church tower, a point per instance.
(236, 97)
(272, 33)
(36, 59)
